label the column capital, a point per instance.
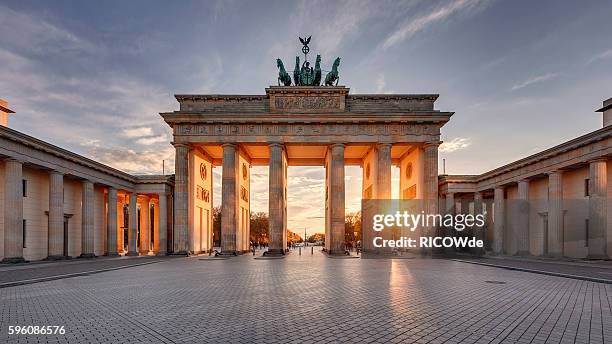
(431, 144)
(384, 144)
(599, 159)
(14, 160)
(180, 145)
(229, 144)
(51, 172)
(275, 144)
(523, 180)
(337, 144)
(554, 173)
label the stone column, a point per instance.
(499, 205)
(56, 215)
(111, 223)
(430, 191)
(337, 241)
(522, 218)
(275, 200)
(13, 212)
(555, 214)
(229, 191)
(449, 204)
(598, 188)
(162, 221)
(87, 220)
(384, 171)
(145, 228)
(133, 225)
(181, 199)
(479, 232)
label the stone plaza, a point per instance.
(311, 299)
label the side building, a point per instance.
(553, 203)
(55, 204)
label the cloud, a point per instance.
(138, 132)
(135, 162)
(601, 56)
(147, 141)
(440, 14)
(458, 143)
(535, 80)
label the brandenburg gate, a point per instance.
(296, 126)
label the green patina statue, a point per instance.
(333, 76)
(305, 75)
(283, 76)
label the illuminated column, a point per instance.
(384, 171)
(162, 228)
(598, 185)
(133, 226)
(111, 223)
(430, 191)
(145, 228)
(229, 200)
(522, 219)
(499, 219)
(276, 194)
(13, 212)
(87, 220)
(56, 215)
(555, 214)
(181, 199)
(336, 195)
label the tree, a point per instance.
(217, 226)
(352, 226)
(260, 227)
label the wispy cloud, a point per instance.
(439, 14)
(138, 132)
(601, 56)
(458, 143)
(535, 80)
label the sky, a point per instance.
(92, 77)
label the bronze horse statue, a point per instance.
(283, 76)
(317, 72)
(296, 72)
(333, 76)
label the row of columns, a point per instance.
(13, 217)
(554, 241)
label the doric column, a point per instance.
(56, 215)
(555, 214)
(13, 212)
(133, 226)
(598, 188)
(479, 232)
(181, 199)
(87, 220)
(522, 219)
(384, 171)
(499, 205)
(162, 228)
(336, 195)
(229, 199)
(111, 223)
(275, 200)
(145, 228)
(449, 208)
(430, 181)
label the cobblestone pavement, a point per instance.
(311, 299)
(20, 272)
(589, 269)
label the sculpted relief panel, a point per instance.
(308, 103)
(305, 129)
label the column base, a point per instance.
(597, 257)
(161, 254)
(338, 253)
(274, 253)
(87, 255)
(13, 260)
(522, 253)
(180, 253)
(112, 254)
(131, 254)
(226, 254)
(58, 257)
